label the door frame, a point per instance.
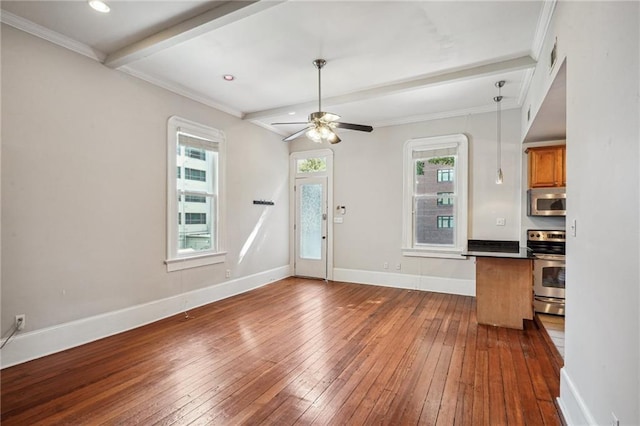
(327, 154)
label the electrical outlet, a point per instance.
(21, 321)
(227, 274)
(500, 221)
(385, 265)
(398, 266)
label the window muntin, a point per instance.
(195, 219)
(435, 196)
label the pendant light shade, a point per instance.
(498, 100)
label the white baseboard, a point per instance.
(407, 281)
(573, 408)
(38, 343)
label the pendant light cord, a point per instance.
(498, 100)
(499, 131)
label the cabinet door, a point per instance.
(546, 167)
(562, 163)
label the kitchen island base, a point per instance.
(504, 291)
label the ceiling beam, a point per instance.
(224, 14)
(523, 62)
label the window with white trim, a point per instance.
(435, 196)
(195, 198)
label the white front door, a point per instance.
(311, 227)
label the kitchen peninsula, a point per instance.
(504, 283)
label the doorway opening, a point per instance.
(311, 194)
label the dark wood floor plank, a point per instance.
(447, 412)
(530, 406)
(380, 395)
(409, 399)
(298, 352)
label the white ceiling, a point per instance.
(388, 62)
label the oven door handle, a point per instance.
(553, 300)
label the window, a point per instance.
(445, 198)
(435, 196)
(194, 174)
(445, 221)
(311, 165)
(194, 199)
(195, 218)
(195, 195)
(445, 175)
(198, 154)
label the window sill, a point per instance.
(181, 263)
(443, 254)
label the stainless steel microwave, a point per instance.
(547, 202)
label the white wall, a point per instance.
(600, 41)
(84, 189)
(368, 181)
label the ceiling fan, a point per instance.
(321, 125)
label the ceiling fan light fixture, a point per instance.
(322, 132)
(99, 6)
(314, 134)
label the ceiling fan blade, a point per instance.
(296, 134)
(290, 122)
(359, 127)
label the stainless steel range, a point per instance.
(548, 248)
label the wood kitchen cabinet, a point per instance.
(504, 291)
(547, 166)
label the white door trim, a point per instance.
(327, 154)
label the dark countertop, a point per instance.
(522, 253)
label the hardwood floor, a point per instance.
(298, 352)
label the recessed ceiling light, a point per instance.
(292, 113)
(100, 6)
(228, 77)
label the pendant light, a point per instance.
(498, 100)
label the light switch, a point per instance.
(338, 219)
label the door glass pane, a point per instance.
(553, 276)
(311, 221)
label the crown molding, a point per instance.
(51, 36)
(544, 20)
